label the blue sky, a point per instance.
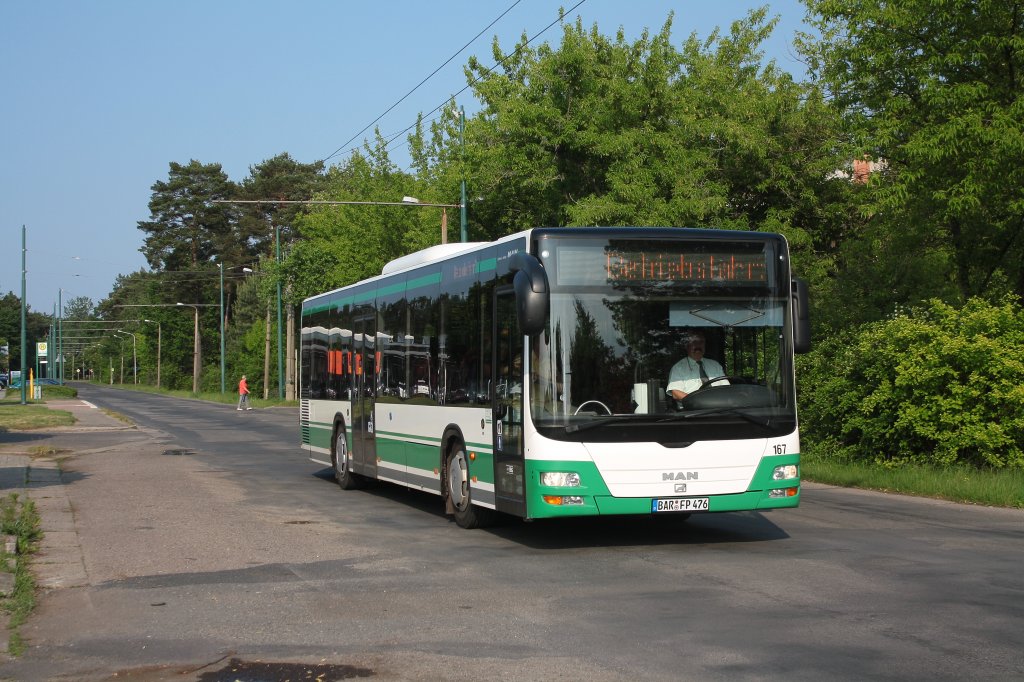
(100, 96)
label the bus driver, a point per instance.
(695, 370)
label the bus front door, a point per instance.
(508, 379)
(364, 393)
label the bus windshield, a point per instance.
(618, 360)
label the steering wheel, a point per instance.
(732, 379)
(607, 409)
(677, 403)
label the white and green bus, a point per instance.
(529, 376)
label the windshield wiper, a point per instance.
(765, 422)
(615, 418)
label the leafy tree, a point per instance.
(440, 166)
(10, 329)
(606, 132)
(78, 330)
(187, 233)
(186, 230)
(36, 327)
(78, 308)
(279, 178)
(356, 241)
(933, 87)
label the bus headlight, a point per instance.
(786, 472)
(560, 479)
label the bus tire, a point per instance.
(341, 461)
(459, 491)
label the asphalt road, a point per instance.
(214, 550)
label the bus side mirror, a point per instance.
(531, 286)
(801, 317)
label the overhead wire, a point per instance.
(473, 81)
(432, 74)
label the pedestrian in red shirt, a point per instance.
(243, 395)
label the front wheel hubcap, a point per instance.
(458, 480)
(340, 455)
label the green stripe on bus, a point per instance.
(420, 456)
(310, 310)
(391, 289)
(424, 281)
(367, 296)
(391, 451)
(395, 435)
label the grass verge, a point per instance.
(992, 487)
(18, 517)
(19, 417)
(48, 393)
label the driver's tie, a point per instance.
(703, 375)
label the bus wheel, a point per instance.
(458, 488)
(342, 462)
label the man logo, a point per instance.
(679, 475)
(680, 487)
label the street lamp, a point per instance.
(120, 340)
(444, 215)
(135, 363)
(158, 341)
(462, 146)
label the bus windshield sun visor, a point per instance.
(531, 288)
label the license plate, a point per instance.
(680, 504)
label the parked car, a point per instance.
(38, 382)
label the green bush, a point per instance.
(937, 386)
(59, 392)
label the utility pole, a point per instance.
(221, 266)
(197, 360)
(280, 350)
(51, 347)
(24, 341)
(266, 356)
(60, 335)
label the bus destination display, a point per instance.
(580, 266)
(633, 266)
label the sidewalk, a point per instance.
(58, 560)
(87, 417)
